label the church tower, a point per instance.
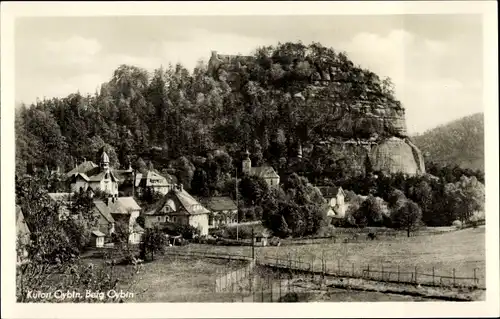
(246, 164)
(104, 162)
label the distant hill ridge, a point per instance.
(460, 142)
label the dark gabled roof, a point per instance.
(100, 175)
(329, 191)
(189, 203)
(264, 172)
(124, 175)
(76, 176)
(121, 206)
(82, 168)
(145, 178)
(104, 210)
(98, 233)
(219, 203)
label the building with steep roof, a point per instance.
(335, 198)
(265, 172)
(89, 175)
(120, 209)
(223, 211)
(178, 207)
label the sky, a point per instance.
(435, 61)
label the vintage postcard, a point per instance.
(311, 158)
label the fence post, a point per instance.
(368, 271)
(279, 276)
(271, 287)
(382, 274)
(352, 271)
(416, 274)
(312, 267)
(433, 276)
(453, 276)
(475, 277)
(262, 291)
(338, 268)
(398, 273)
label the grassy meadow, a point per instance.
(170, 279)
(462, 250)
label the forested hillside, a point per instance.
(460, 142)
(287, 95)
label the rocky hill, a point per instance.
(363, 119)
(460, 142)
(280, 100)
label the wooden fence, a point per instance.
(235, 278)
(369, 272)
(383, 274)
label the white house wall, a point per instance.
(200, 222)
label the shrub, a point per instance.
(186, 231)
(457, 224)
(243, 232)
(326, 231)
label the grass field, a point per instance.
(462, 250)
(179, 280)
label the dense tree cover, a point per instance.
(460, 142)
(172, 115)
(55, 244)
(153, 241)
(465, 198)
(197, 124)
(441, 200)
(296, 210)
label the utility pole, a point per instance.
(253, 246)
(237, 206)
(133, 182)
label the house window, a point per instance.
(210, 220)
(174, 219)
(158, 218)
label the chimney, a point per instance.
(84, 159)
(181, 187)
(108, 201)
(214, 54)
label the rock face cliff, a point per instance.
(396, 155)
(391, 152)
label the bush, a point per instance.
(327, 231)
(457, 224)
(186, 231)
(244, 232)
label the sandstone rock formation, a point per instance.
(390, 155)
(396, 155)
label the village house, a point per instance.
(134, 182)
(97, 239)
(178, 207)
(105, 221)
(223, 211)
(89, 175)
(121, 209)
(266, 172)
(335, 198)
(155, 181)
